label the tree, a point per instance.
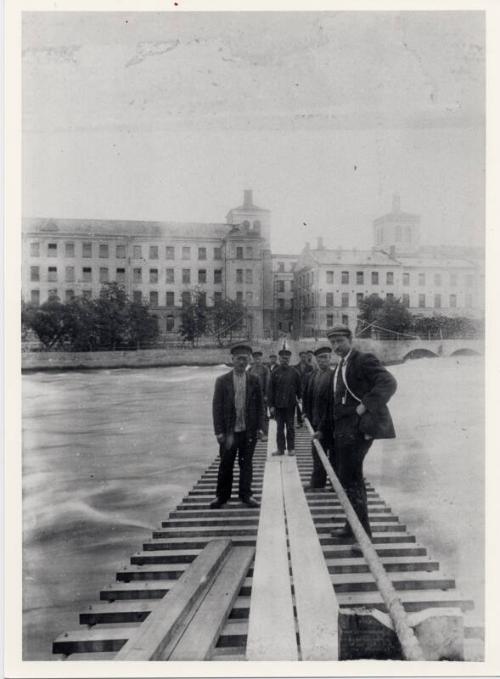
(49, 322)
(387, 317)
(112, 316)
(226, 317)
(194, 318)
(142, 326)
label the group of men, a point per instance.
(346, 406)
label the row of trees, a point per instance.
(225, 319)
(112, 321)
(387, 319)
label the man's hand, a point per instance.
(361, 409)
(260, 434)
(317, 435)
(272, 412)
(220, 438)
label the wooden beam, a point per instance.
(271, 628)
(200, 637)
(163, 626)
(315, 600)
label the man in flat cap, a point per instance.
(284, 390)
(314, 402)
(356, 413)
(238, 415)
(305, 370)
(261, 372)
(273, 362)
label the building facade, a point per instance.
(283, 292)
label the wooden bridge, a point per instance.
(271, 584)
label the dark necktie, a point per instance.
(340, 389)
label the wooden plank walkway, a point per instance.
(155, 570)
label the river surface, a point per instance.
(108, 453)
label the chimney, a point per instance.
(396, 203)
(247, 198)
(320, 245)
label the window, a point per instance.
(103, 274)
(68, 295)
(35, 249)
(329, 277)
(103, 250)
(86, 250)
(202, 275)
(70, 274)
(170, 252)
(249, 252)
(329, 320)
(87, 294)
(345, 320)
(408, 234)
(186, 298)
(390, 297)
(280, 286)
(329, 299)
(345, 299)
(246, 223)
(218, 276)
(281, 303)
(170, 276)
(137, 275)
(453, 280)
(249, 297)
(69, 249)
(437, 301)
(468, 300)
(35, 297)
(34, 273)
(374, 277)
(406, 279)
(202, 298)
(406, 299)
(186, 252)
(345, 277)
(360, 278)
(153, 275)
(248, 276)
(87, 274)
(137, 296)
(437, 279)
(170, 323)
(239, 253)
(281, 267)
(359, 298)
(469, 281)
(153, 298)
(137, 252)
(421, 279)
(202, 253)
(120, 276)
(239, 275)
(52, 274)
(153, 252)
(239, 297)
(217, 297)
(121, 252)
(453, 301)
(389, 278)
(186, 275)
(217, 253)
(52, 249)
(421, 301)
(170, 298)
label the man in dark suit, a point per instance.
(261, 372)
(238, 415)
(273, 362)
(356, 413)
(314, 402)
(284, 390)
(305, 370)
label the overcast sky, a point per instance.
(324, 115)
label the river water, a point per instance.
(108, 453)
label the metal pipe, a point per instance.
(405, 633)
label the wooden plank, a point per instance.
(92, 640)
(271, 630)
(162, 626)
(200, 638)
(315, 600)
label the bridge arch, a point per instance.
(465, 351)
(419, 353)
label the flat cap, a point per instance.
(257, 353)
(284, 352)
(241, 349)
(339, 329)
(323, 350)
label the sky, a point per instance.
(325, 115)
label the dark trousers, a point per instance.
(318, 476)
(350, 448)
(243, 447)
(299, 415)
(285, 418)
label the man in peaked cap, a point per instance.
(305, 370)
(356, 413)
(284, 390)
(238, 416)
(262, 373)
(314, 403)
